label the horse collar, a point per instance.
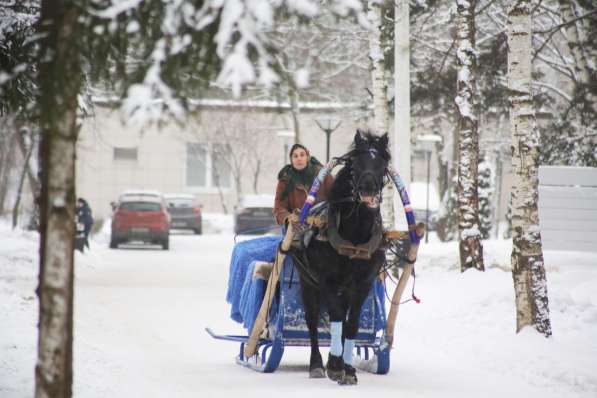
(362, 251)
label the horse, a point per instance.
(340, 272)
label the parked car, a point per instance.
(418, 199)
(255, 215)
(148, 194)
(185, 212)
(141, 217)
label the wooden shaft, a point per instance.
(397, 296)
(251, 345)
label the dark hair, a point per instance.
(298, 146)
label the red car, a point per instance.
(140, 217)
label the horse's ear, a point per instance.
(359, 138)
(383, 140)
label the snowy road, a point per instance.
(140, 315)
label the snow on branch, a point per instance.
(241, 36)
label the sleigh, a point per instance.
(266, 299)
(286, 327)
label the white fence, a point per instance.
(568, 207)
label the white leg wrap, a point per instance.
(348, 348)
(336, 343)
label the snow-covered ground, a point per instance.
(140, 315)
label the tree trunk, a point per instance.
(256, 172)
(528, 271)
(5, 170)
(379, 84)
(471, 249)
(60, 82)
(402, 135)
(295, 111)
(379, 88)
(581, 67)
(26, 159)
(582, 72)
(31, 178)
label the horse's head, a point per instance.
(369, 160)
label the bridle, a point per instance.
(347, 161)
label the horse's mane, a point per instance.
(373, 141)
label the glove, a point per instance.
(293, 221)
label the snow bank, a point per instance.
(140, 314)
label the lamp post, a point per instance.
(326, 126)
(427, 143)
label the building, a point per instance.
(226, 149)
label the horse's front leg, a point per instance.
(337, 307)
(311, 305)
(351, 328)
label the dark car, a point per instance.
(185, 212)
(140, 218)
(255, 215)
(418, 199)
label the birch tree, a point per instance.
(528, 270)
(379, 90)
(60, 79)
(470, 247)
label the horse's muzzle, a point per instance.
(370, 200)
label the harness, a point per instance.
(322, 225)
(362, 251)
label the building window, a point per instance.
(196, 165)
(207, 165)
(125, 154)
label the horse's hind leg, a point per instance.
(311, 305)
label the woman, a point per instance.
(294, 182)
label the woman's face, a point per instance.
(299, 159)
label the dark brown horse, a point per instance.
(340, 272)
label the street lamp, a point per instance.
(427, 142)
(286, 136)
(326, 126)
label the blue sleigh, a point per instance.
(286, 326)
(271, 308)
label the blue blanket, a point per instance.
(246, 294)
(241, 270)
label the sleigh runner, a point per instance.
(270, 305)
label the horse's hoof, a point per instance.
(350, 376)
(335, 368)
(316, 373)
